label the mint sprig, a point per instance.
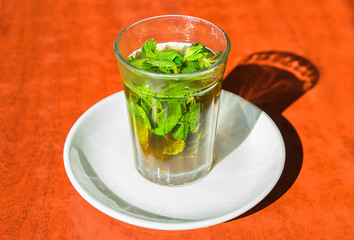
(169, 61)
(148, 49)
(176, 119)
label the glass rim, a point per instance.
(166, 75)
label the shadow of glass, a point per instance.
(236, 120)
(273, 81)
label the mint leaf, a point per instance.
(169, 55)
(194, 64)
(141, 63)
(178, 61)
(164, 65)
(143, 114)
(148, 49)
(204, 62)
(195, 52)
(188, 69)
(175, 148)
(180, 131)
(168, 118)
(130, 58)
(209, 59)
(195, 56)
(193, 116)
(142, 131)
(145, 103)
(152, 107)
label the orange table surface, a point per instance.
(294, 59)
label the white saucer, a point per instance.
(99, 162)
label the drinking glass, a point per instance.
(172, 116)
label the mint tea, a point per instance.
(172, 91)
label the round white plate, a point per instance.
(99, 162)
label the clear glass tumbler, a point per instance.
(173, 116)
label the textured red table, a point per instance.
(294, 59)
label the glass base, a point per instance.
(173, 179)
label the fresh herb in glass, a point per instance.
(172, 90)
(172, 123)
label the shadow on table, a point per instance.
(273, 81)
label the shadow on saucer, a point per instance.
(236, 119)
(91, 182)
(273, 81)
